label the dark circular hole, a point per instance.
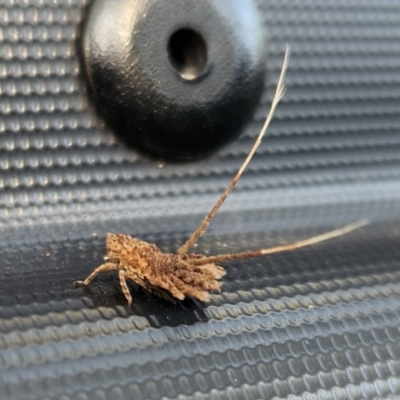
(187, 53)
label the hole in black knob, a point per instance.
(187, 52)
(175, 79)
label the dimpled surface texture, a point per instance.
(319, 323)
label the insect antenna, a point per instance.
(280, 91)
(285, 247)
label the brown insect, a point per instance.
(187, 274)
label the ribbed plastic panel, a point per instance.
(319, 323)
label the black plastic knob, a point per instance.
(176, 79)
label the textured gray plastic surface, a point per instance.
(318, 323)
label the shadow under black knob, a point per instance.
(176, 79)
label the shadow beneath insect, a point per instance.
(159, 312)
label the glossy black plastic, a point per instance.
(175, 79)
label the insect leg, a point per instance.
(162, 293)
(102, 268)
(122, 280)
(208, 270)
(166, 284)
(204, 281)
(189, 290)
